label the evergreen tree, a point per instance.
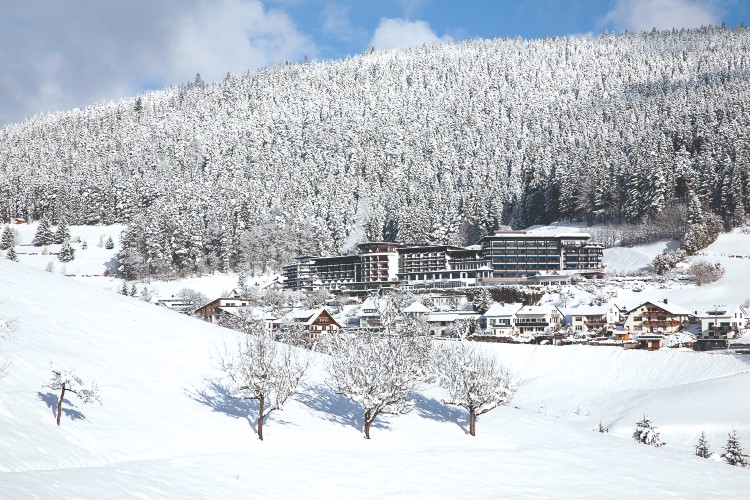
(646, 433)
(66, 252)
(11, 254)
(701, 449)
(62, 233)
(84, 245)
(133, 290)
(124, 289)
(109, 245)
(44, 235)
(733, 453)
(8, 239)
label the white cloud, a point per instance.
(643, 15)
(397, 33)
(336, 23)
(60, 55)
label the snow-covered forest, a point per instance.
(435, 144)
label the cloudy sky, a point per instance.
(57, 55)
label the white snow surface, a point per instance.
(167, 430)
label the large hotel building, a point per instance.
(504, 257)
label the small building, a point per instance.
(652, 342)
(416, 309)
(500, 319)
(657, 317)
(440, 323)
(593, 318)
(370, 313)
(176, 304)
(539, 320)
(315, 321)
(719, 324)
(216, 307)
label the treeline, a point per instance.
(436, 144)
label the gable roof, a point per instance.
(670, 308)
(502, 309)
(416, 307)
(540, 310)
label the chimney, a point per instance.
(666, 301)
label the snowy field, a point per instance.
(166, 428)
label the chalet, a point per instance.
(719, 324)
(593, 319)
(216, 307)
(316, 322)
(500, 318)
(370, 313)
(657, 317)
(539, 319)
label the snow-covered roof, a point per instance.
(721, 311)
(450, 316)
(588, 310)
(670, 308)
(535, 310)
(502, 309)
(416, 307)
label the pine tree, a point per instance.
(646, 433)
(109, 245)
(66, 252)
(84, 245)
(43, 234)
(8, 239)
(733, 453)
(133, 290)
(62, 233)
(124, 289)
(11, 254)
(701, 449)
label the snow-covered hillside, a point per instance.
(166, 429)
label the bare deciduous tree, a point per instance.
(260, 368)
(378, 371)
(68, 381)
(474, 380)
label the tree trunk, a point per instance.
(59, 404)
(367, 424)
(260, 417)
(472, 422)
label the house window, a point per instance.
(637, 328)
(638, 318)
(579, 327)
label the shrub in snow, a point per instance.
(377, 371)
(646, 433)
(262, 369)
(68, 381)
(701, 449)
(733, 453)
(704, 273)
(667, 261)
(50, 267)
(474, 380)
(482, 300)
(194, 297)
(84, 245)
(109, 245)
(602, 429)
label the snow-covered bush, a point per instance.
(667, 261)
(646, 433)
(704, 273)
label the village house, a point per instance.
(176, 304)
(500, 319)
(216, 307)
(719, 324)
(657, 317)
(440, 323)
(316, 322)
(539, 320)
(593, 318)
(417, 310)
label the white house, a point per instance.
(721, 321)
(416, 309)
(539, 319)
(657, 317)
(439, 323)
(585, 319)
(500, 318)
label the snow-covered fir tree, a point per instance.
(62, 233)
(7, 239)
(44, 235)
(11, 254)
(67, 253)
(733, 453)
(646, 433)
(702, 449)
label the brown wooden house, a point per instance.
(316, 322)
